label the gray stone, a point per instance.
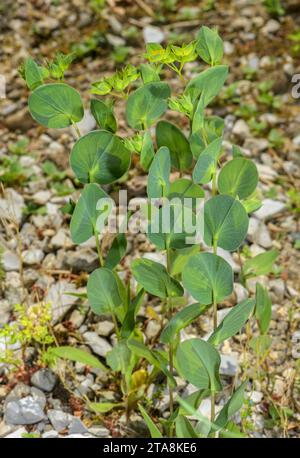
(241, 129)
(12, 206)
(99, 431)
(152, 329)
(229, 365)
(153, 34)
(41, 197)
(44, 379)
(50, 434)
(60, 300)
(17, 434)
(61, 240)
(33, 256)
(256, 397)
(10, 261)
(277, 286)
(77, 318)
(271, 27)
(240, 291)
(104, 328)
(46, 26)
(269, 209)
(99, 346)
(6, 308)
(59, 420)
(87, 123)
(82, 260)
(25, 411)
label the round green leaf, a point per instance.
(154, 278)
(158, 184)
(99, 157)
(238, 178)
(104, 293)
(167, 134)
(84, 217)
(183, 188)
(199, 362)
(145, 105)
(225, 222)
(55, 105)
(103, 115)
(207, 276)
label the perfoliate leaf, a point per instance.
(103, 115)
(225, 222)
(104, 291)
(262, 264)
(147, 151)
(154, 278)
(34, 74)
(263, 309)
(145, 105)
(149, 73)
(180, 320)
(208, 84)
(207, 162)
(232, 406)
(75, 354)
(103, 407)
(209, 46)
(116, 251)
(238, 178)
(233, 321)
(84, 217)
(167, 134)
(99, 157)
(213, 127)
(208, 277)
(184, 428)
(55, 105)
(199, 362)
(158, 179)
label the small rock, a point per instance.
(33, 256)
(12, 206)
(44, 379)
(99, 346)
(99, 431)
(77, 318)
(104, 328)
(25, 411)
(50, 434)
(241, 129)
(60, 300)
(152, 329)
(18, 434)
(46, 26)
(229, 365)
(256, 145)
(59, 420)
(271, 27)
(240, 291)
(269, 209)
(61, 240)
(153, 34)
(10, 261)
(278, 288)
(82, 260)
(87, 123)
(228, 48)
(256, 397)
(41, 197)
(279, 388)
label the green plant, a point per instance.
(100, 158)
(274, 7)
(31, 326)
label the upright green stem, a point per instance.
(101, 262)
(215, 324)
(76, 129)
(171, 350)
(214, 183)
